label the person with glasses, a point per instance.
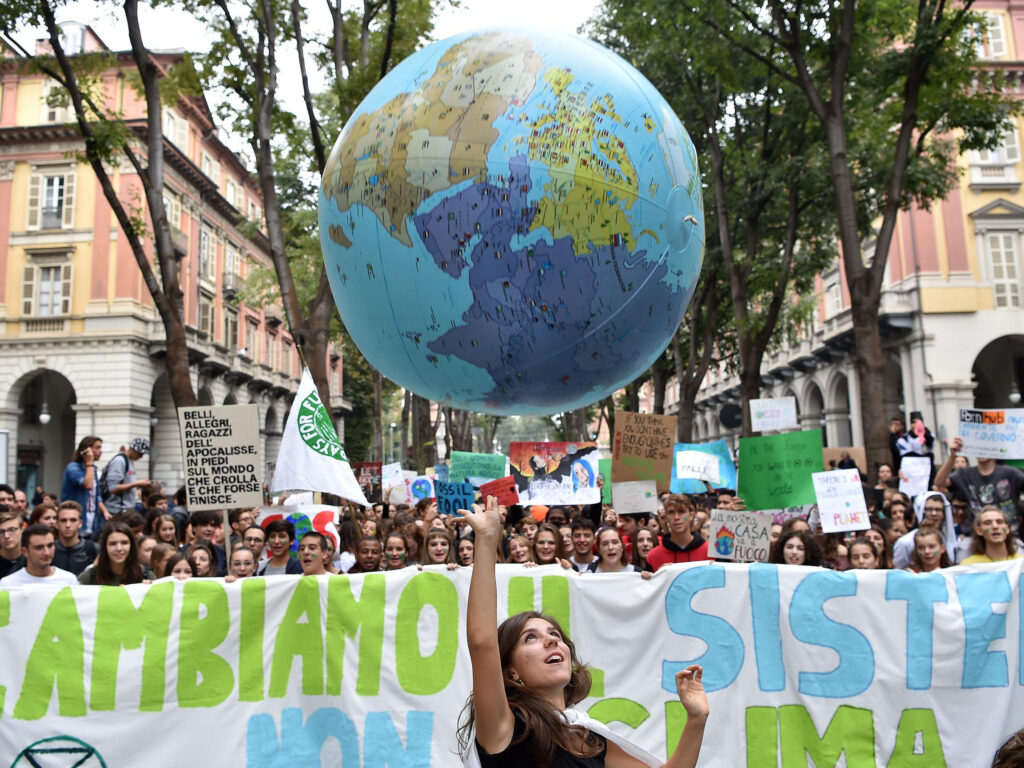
(255, 538)
(11, 558)
(240, 520)
(242, 564)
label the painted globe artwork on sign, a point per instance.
(512, 222)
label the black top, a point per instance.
(518, 755)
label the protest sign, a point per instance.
(418, 487)
(770, 414)
(604, 470)
(697, 465)
(915, 471)
(221, 448)
(841, 505)
(503, 489)
(555, 473)
(642, 448)
(856, 454)
(775, 470)
(992, 434)
(305, 518)
(635, 497)
(391, 475)
(740, 536)
(726, 468)
(802, 665)
(368, 474)
(451, 497)
(478, 468)
(440, 472)
(780, 516)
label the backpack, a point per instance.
(104, 486)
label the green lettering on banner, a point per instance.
(119, 624)
(913, 722)
(250, 640)
(347, 617)
(300, 638)
(762, 727)
(5, 619)
(204, 678)
(554, 598)
(675, 721)
(627, 711)
(851, 731)
(57, 658)
(426, 675)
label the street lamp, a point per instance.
(391, 441)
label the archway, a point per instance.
(45, 436)
(165, 439)
(838, 413)
(204, 396)
(999, 372)
(230, 399)
(813, 411)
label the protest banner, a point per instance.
(726, 468)
(840, 498)
(740, 536)
(305, 518)
(771, 414)
(555, 473)
(642, 448)
(992, 434)
(451, 497)
(915, 471)
(635, 497)
(368, 474)
(503, 489)
(802, 665)
(220, 445)
(478, 468)
(604, 471)
(775, 470)
(857, 454)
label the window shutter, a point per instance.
(181, 134)
(1011, 147)
(35, 183)
(65, 289)
(68, 203)
(996, 39)
(28, 290)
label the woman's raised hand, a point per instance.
(485, 522)
(691, 692)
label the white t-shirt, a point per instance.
(23, 578)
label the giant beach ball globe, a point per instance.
(512, 222)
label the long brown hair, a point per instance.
(915, 559)
(559, 543)
(85, 442)
(437, 533)
(544, 725)
(132, 570)
(978, 543)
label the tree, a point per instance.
(895, 87)
(109, 140)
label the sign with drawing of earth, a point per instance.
(512, 222)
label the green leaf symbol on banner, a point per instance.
(316, 429)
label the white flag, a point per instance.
(312, 457)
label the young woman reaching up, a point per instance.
(526, 677)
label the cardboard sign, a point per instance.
(643, 448)
(740, 536)
(221, 448)
(451, 497)
(775, 470)
(697, 465)
(771, 414)
(503, 489)
(635, 497)
(841, 505)
(604, 469)
(992, 434)
(478, 468)
(915, 471)
(726, 468)
(368, 474)
(856, 453)
(555, 473)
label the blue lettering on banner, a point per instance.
(921, 591)
(978, 592)
(764, 609)
(810, 624)
(724, 657)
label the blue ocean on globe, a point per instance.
(512, 222)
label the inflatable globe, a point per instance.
(512, 222)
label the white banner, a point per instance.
(773, 413)
(889, 667)
(992, 434)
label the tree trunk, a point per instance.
(684, 421)
(750, 389)
(659, 382)
(378, 415)
(404, 429)
(871, 382)
(423, 447)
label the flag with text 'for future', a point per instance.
(312, 457)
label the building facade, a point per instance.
(952, 310)
(81, 343)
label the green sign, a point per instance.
(604, 469)
(775, 470)
(476, 466)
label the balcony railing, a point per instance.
(231, 284)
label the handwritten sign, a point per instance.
(780, 516)
(643, 448)
(841, 505)
(604, 470)
(368, 475)
(773, 413)
(740, 536)
(726, 468)
(555, 473)
(391, 475)
(478, 468)
(418, 487)
(992, 434)
(440, 472)
(221, 448)
(635, 497)
(775, 470)
(503, 489)
(915, 471)
(451, 497)
(697, 465)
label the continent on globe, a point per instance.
(512, 222)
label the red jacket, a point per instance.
(670, 552)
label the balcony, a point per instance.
(179, 240)
(231, 284)
(994, 176)
(44, 325)
(273, 315)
